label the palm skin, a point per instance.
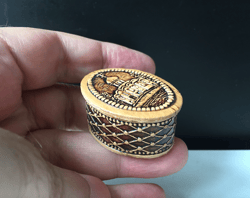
(39, 103)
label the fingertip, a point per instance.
(117, 56)
(72, 184)
(136, 190)
(79, 185)
(182, 153)
(97, 188)
(148, 63)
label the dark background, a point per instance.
(201, 47)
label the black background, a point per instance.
(201, 47)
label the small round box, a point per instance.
(131, 112)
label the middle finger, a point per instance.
(80, 152)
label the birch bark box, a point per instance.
(131, 112)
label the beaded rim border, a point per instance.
(114, 120)
(170, 93)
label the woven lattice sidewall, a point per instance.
(147, 140)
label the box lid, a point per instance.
(131, 95)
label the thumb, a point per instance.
(24, 173)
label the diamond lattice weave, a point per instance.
(132, 138)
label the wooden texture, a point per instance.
(131, 112)
(128, 113)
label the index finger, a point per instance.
(45, 57)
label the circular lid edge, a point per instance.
(128, 115)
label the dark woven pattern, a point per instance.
(133, 138)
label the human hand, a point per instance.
(39, 105)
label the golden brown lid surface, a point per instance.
(131, 95)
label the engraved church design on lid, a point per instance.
(131, 90)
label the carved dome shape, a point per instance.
(131, 90)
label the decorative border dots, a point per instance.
(170, 93)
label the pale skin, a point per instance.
(45, 147)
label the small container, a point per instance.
(131, 112)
